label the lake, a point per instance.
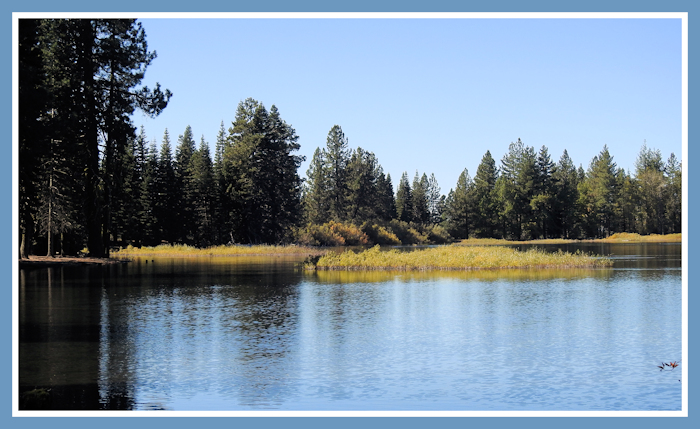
(260, 333)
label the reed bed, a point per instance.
(456, 258)
(620, 237)
(628, 237)
(234, 250)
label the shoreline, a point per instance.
(47, 261)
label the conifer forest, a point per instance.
(89, 181)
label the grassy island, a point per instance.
(455, 258)
(228, 250)
(619, 237)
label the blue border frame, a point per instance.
(8, 252)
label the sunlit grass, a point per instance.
(620, 237)
(456, 258)
(185, 250)
(627, 237)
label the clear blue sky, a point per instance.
(429, 94)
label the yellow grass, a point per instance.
(627, 237)
(620, 237)
(185, 250)
(456, 258)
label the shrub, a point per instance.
(380, 235)
(439, 235)
(407, 233)
(350, 233)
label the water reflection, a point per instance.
(255, 333)
(339, 276)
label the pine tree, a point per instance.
(202, 177)
(404, 200)
(564, 208)
(167, 194)
(520, 175)
(93, 69)
(337, 156)
(485, 198)
(362, 177)
(598, 195)
(260, 175)
(385, 196)
(673, 194)
(460, 207)
(316, 200)
(419, 199)
(186, 195)
(543, 199)
(650, 180)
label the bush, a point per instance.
(352, 235)
(380, 235)
(439, 235)
(407, 233)
(333, 234)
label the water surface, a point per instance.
(259, 333)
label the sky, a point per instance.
(429, 95)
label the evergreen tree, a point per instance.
(434, 197)
(598, 195)
(564, 209)
(460, 207)
(316, 199)
(520, 175)
(362, 177)
(149, 196)
(337, 156)
(651, 182)
(673, 194)
(385, 197)
(167, 195)
(33, 105)
(202, 176)
(543, 200)
(260, 175)
(184, 183)
(419, 199)
(485, 198)
(404, 200)
(92, 72)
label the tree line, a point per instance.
(89, 180)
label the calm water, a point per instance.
(261, 334)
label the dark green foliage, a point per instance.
(419, 200)
(598, 196)
(565, 193)
(459, 211)
(204, 196)
(84, 78)
(404, 200)
(673, 194)
(167, 196)
(259, 174)
(486, 198)
(183, 170)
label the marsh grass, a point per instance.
(620, 237)
(628, 237)
(456, 258)
(189, 251)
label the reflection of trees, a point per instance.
(223, 326)
(60, 336)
